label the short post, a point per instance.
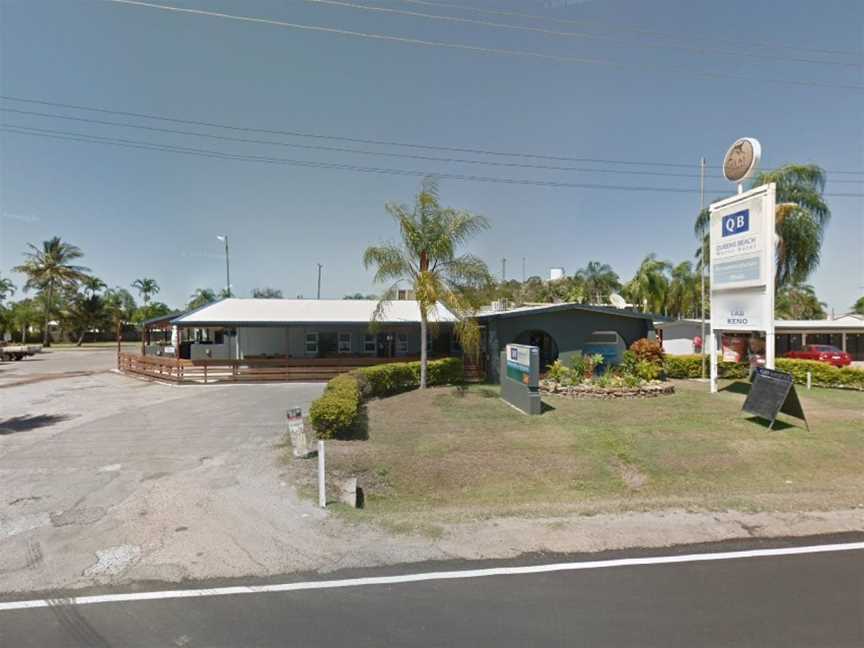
(809, 379)
(322, 495)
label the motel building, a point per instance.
(285, 339)
(845, 332)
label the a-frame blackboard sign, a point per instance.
(773, 392)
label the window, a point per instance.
(344, 343)
(369, 345)
(312, 344)
(219, 337)
(402, 343)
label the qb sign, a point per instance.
(736, 223)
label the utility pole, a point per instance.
(319, 279)
(224, 237)
(704, 253)
(503, 269)
(523, 269)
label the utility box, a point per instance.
(608, 344)
(520, 377)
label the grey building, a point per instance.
(560, 330)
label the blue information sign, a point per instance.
(736, 223)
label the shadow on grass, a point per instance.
(546, 407)
(778, 424)
(359, 431)
(26, 423)
(737, 387)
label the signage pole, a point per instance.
(770, 339)
(704, 255)
(712, 348)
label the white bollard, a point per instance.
(809, 379)
(322, 495)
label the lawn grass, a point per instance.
(461, 453)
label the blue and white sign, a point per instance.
(736, 223)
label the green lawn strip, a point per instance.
(442, 452)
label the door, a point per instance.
(386, 345)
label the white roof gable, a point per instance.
(309, 311)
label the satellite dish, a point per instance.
(617, 300)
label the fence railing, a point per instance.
(245, 370)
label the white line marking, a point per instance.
(432, 576)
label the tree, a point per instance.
(83, 313)
(426, 258)
(49, 268)
(201, 297)
(151, 310)
(650, 285)
(146, 287)
(7, 289)
(360, 296)
(92, 285)
(22, 314)
(266, 293)
(684, 294)
(798, 301)
(800, 218)
(598, 282)
(120, 309)
(858, 306)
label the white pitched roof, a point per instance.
(309, 311)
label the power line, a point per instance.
(570, 34)
(340, 149)
(624, 29)
(357, 140)
(207, 153)
(703, 74)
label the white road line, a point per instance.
(432, 576)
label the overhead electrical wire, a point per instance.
(703, 74)
(565, 34)
(621, 28)
(208, 153)
(376, 142)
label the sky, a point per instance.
(660, 84)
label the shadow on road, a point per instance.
(25, 423)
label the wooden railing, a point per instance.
(246, 370)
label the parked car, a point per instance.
(822, 353)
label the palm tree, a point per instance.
(201, 297)
(120, 309)
(427, 260)
(49, 268)
(599, 281)
(92, 285)
(23, 313)
(84, 313)
(798, 301)
(800, 218)
(684, 295)
(146, 287)
(7, 289)
(858, 306)
(650, 285)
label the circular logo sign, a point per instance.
(741, 159)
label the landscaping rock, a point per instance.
(648, 390)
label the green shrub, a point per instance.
(557, 372)
(824, 375)
(335, 413)
(646, 370)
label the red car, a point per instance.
(822, 353)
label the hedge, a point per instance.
(824, 375)
(337, 410)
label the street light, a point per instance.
(224, 237)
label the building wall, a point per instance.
(569, 329)
(678, 336)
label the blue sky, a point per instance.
(153, 213)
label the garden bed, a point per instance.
(589, 390)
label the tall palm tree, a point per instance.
(858, 306)
(49, 268)
(800, 218)
(599, 281)
(201, 297)
(146, 287)
(650, 285)
(683, 297)
(426, 258)
(7, 288)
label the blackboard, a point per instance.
(773, 392)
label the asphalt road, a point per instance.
(794, 600)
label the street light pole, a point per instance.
(704, 251)
(319, 278)
(224, 237)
